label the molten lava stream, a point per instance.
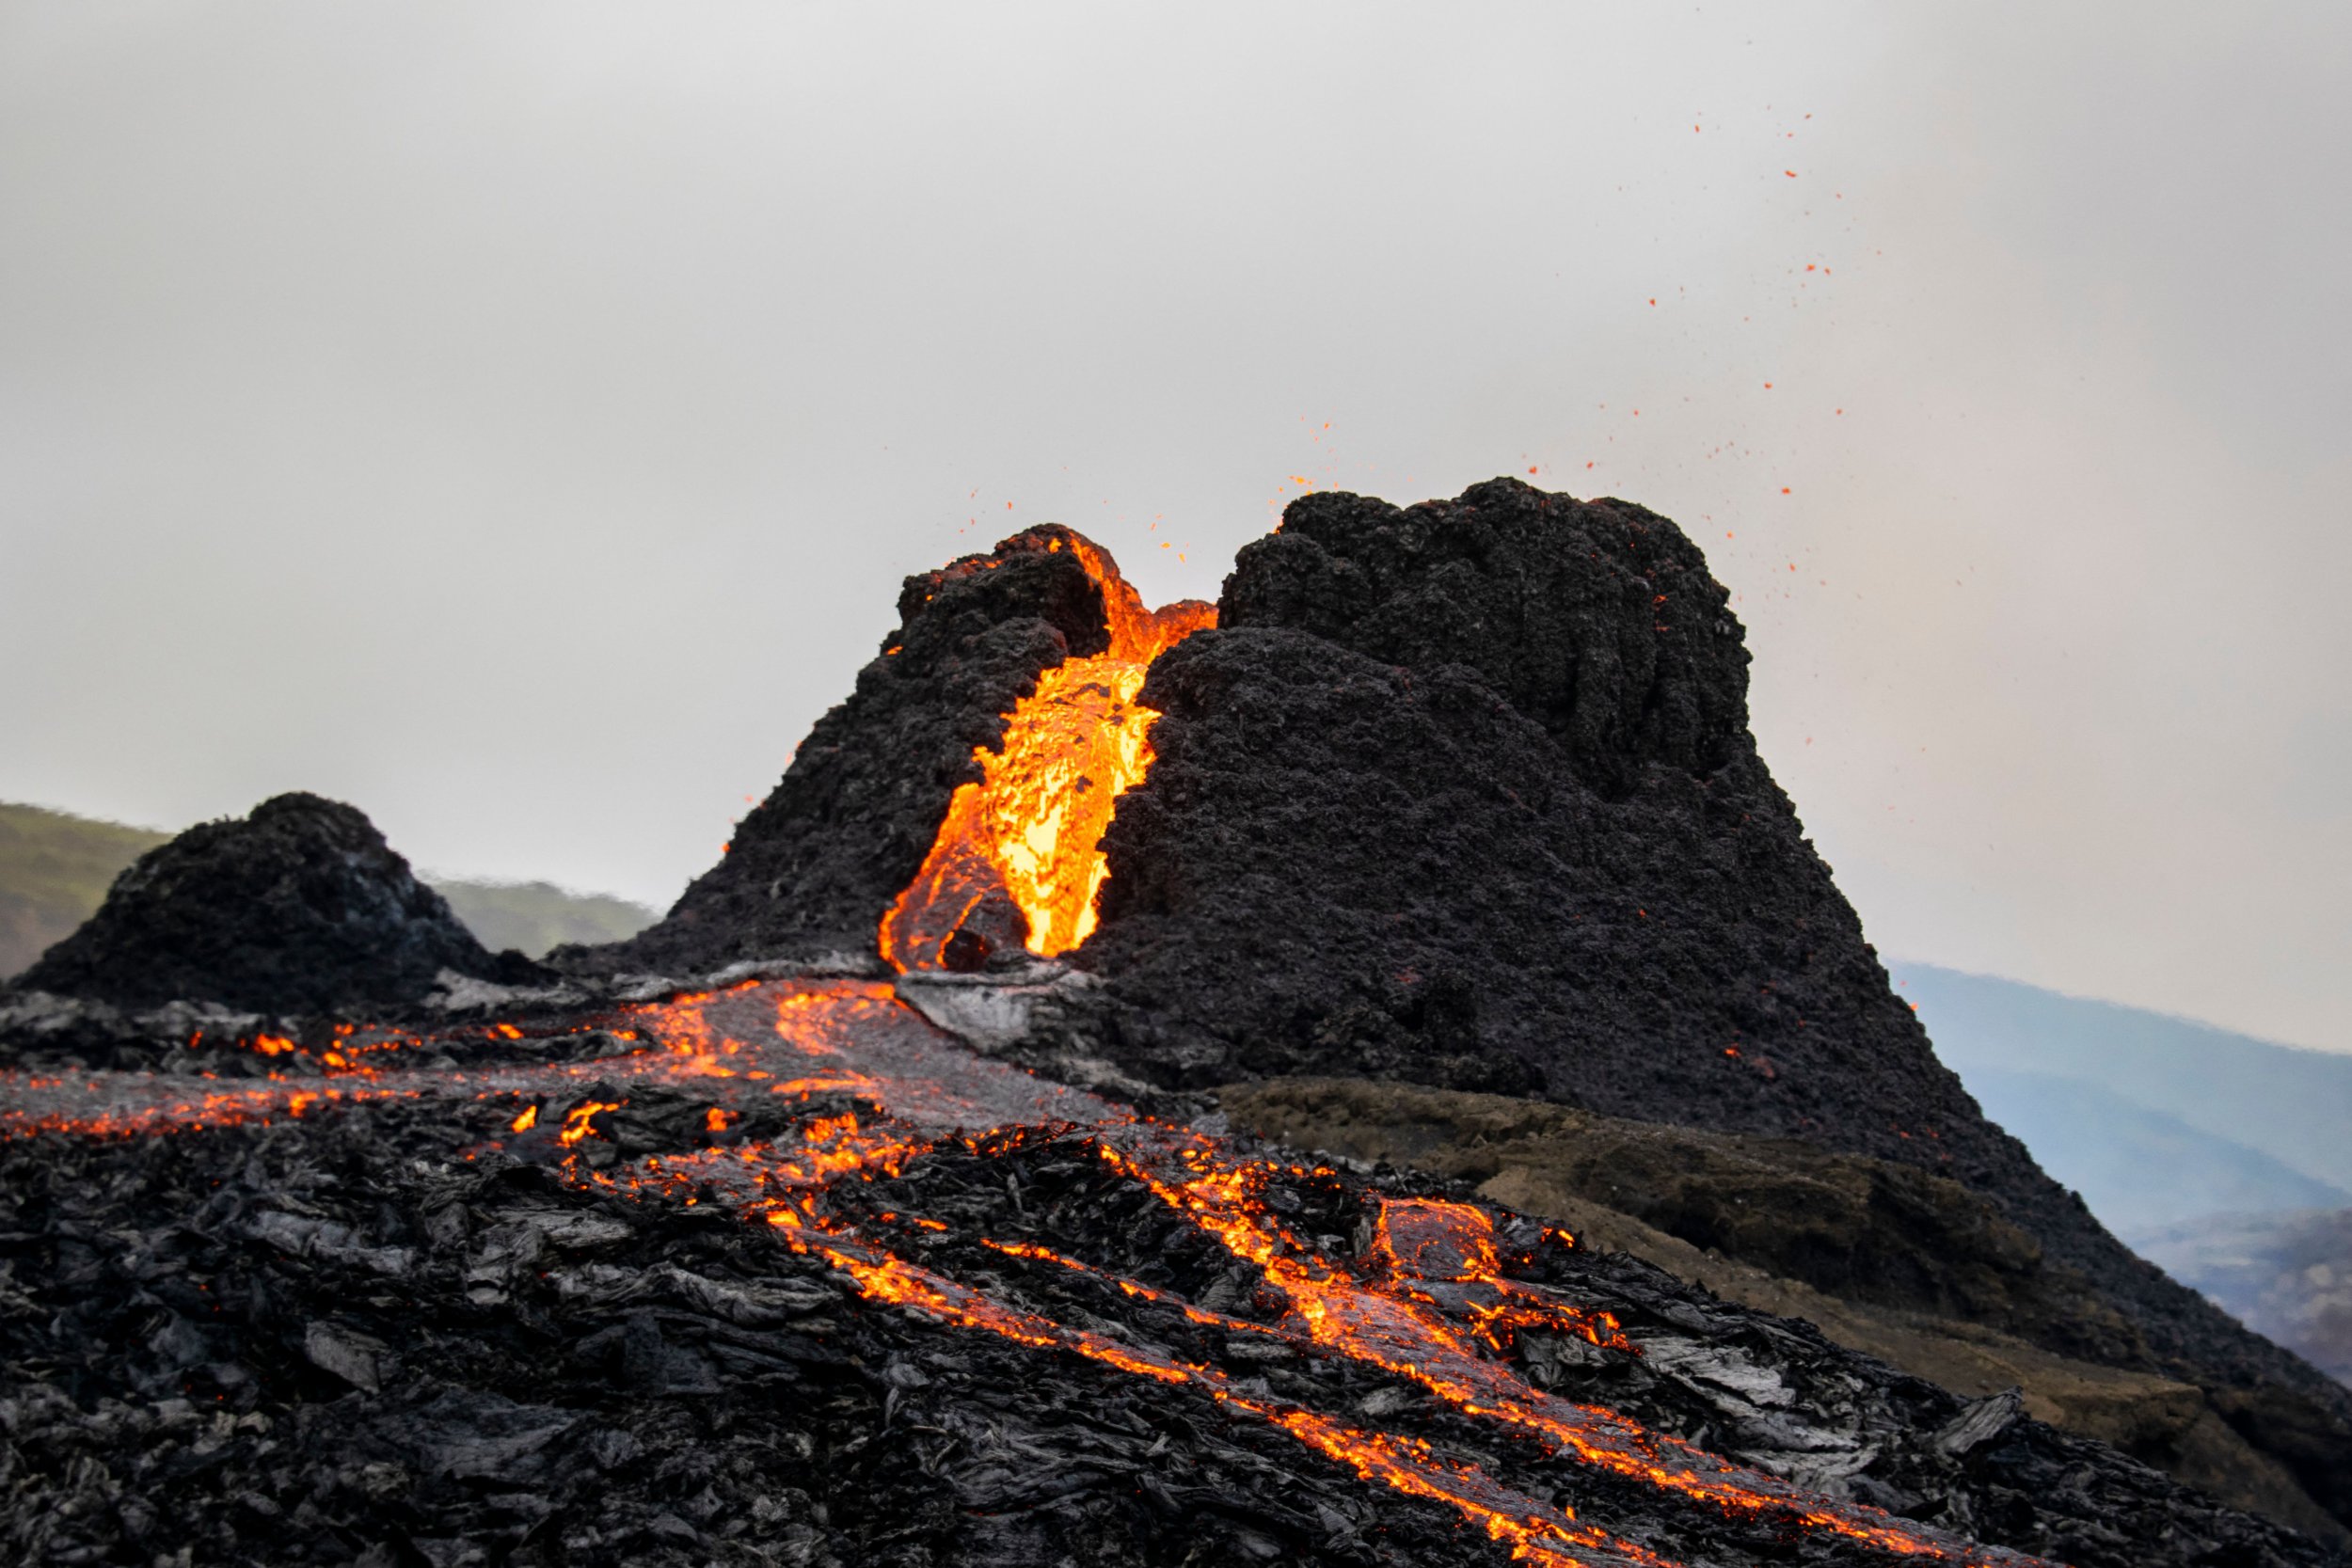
(1534, 1531)
(1398, 1331)
(1431, 1307)
(1442, 1257)
(1019, 856)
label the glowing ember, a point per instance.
(577, 1120)
(1029, 832)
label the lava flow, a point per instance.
(1429, 1305)
(1019, 857)
(1429, 1309)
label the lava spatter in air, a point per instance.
(1018, 857)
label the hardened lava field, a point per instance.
(794, 1278)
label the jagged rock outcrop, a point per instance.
(298, 907)
(815, 864)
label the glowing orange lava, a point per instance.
(1431, 1304)
(1030, 831)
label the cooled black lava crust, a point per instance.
(330, 1340)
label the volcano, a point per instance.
(1104, 1108)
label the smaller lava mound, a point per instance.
(300, 908)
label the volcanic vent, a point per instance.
(1018, 862)
(1459, 794)
(769, 1270)
(963, 787)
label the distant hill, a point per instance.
(2141, 1171)
(2285, 1276)
(536, 916)
(2278, 1103)
(56, 867)
(2222, 1159)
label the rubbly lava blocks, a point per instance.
(348, 1347)
(298, 907)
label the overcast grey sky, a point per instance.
(515, 418)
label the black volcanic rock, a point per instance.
(1599, 621)
(299, 908)
(1459, 794)
(322, 1339)
(814, 866)
(1463, 794)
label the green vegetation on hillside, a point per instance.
(56, 868)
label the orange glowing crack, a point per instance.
(1534, 1531)
(1030, 831)
(1400, 1336)
(576, 1120)
(211, 1109)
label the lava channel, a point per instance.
(1019, 857)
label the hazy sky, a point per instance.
(515, 418)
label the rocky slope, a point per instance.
(1464, 794)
